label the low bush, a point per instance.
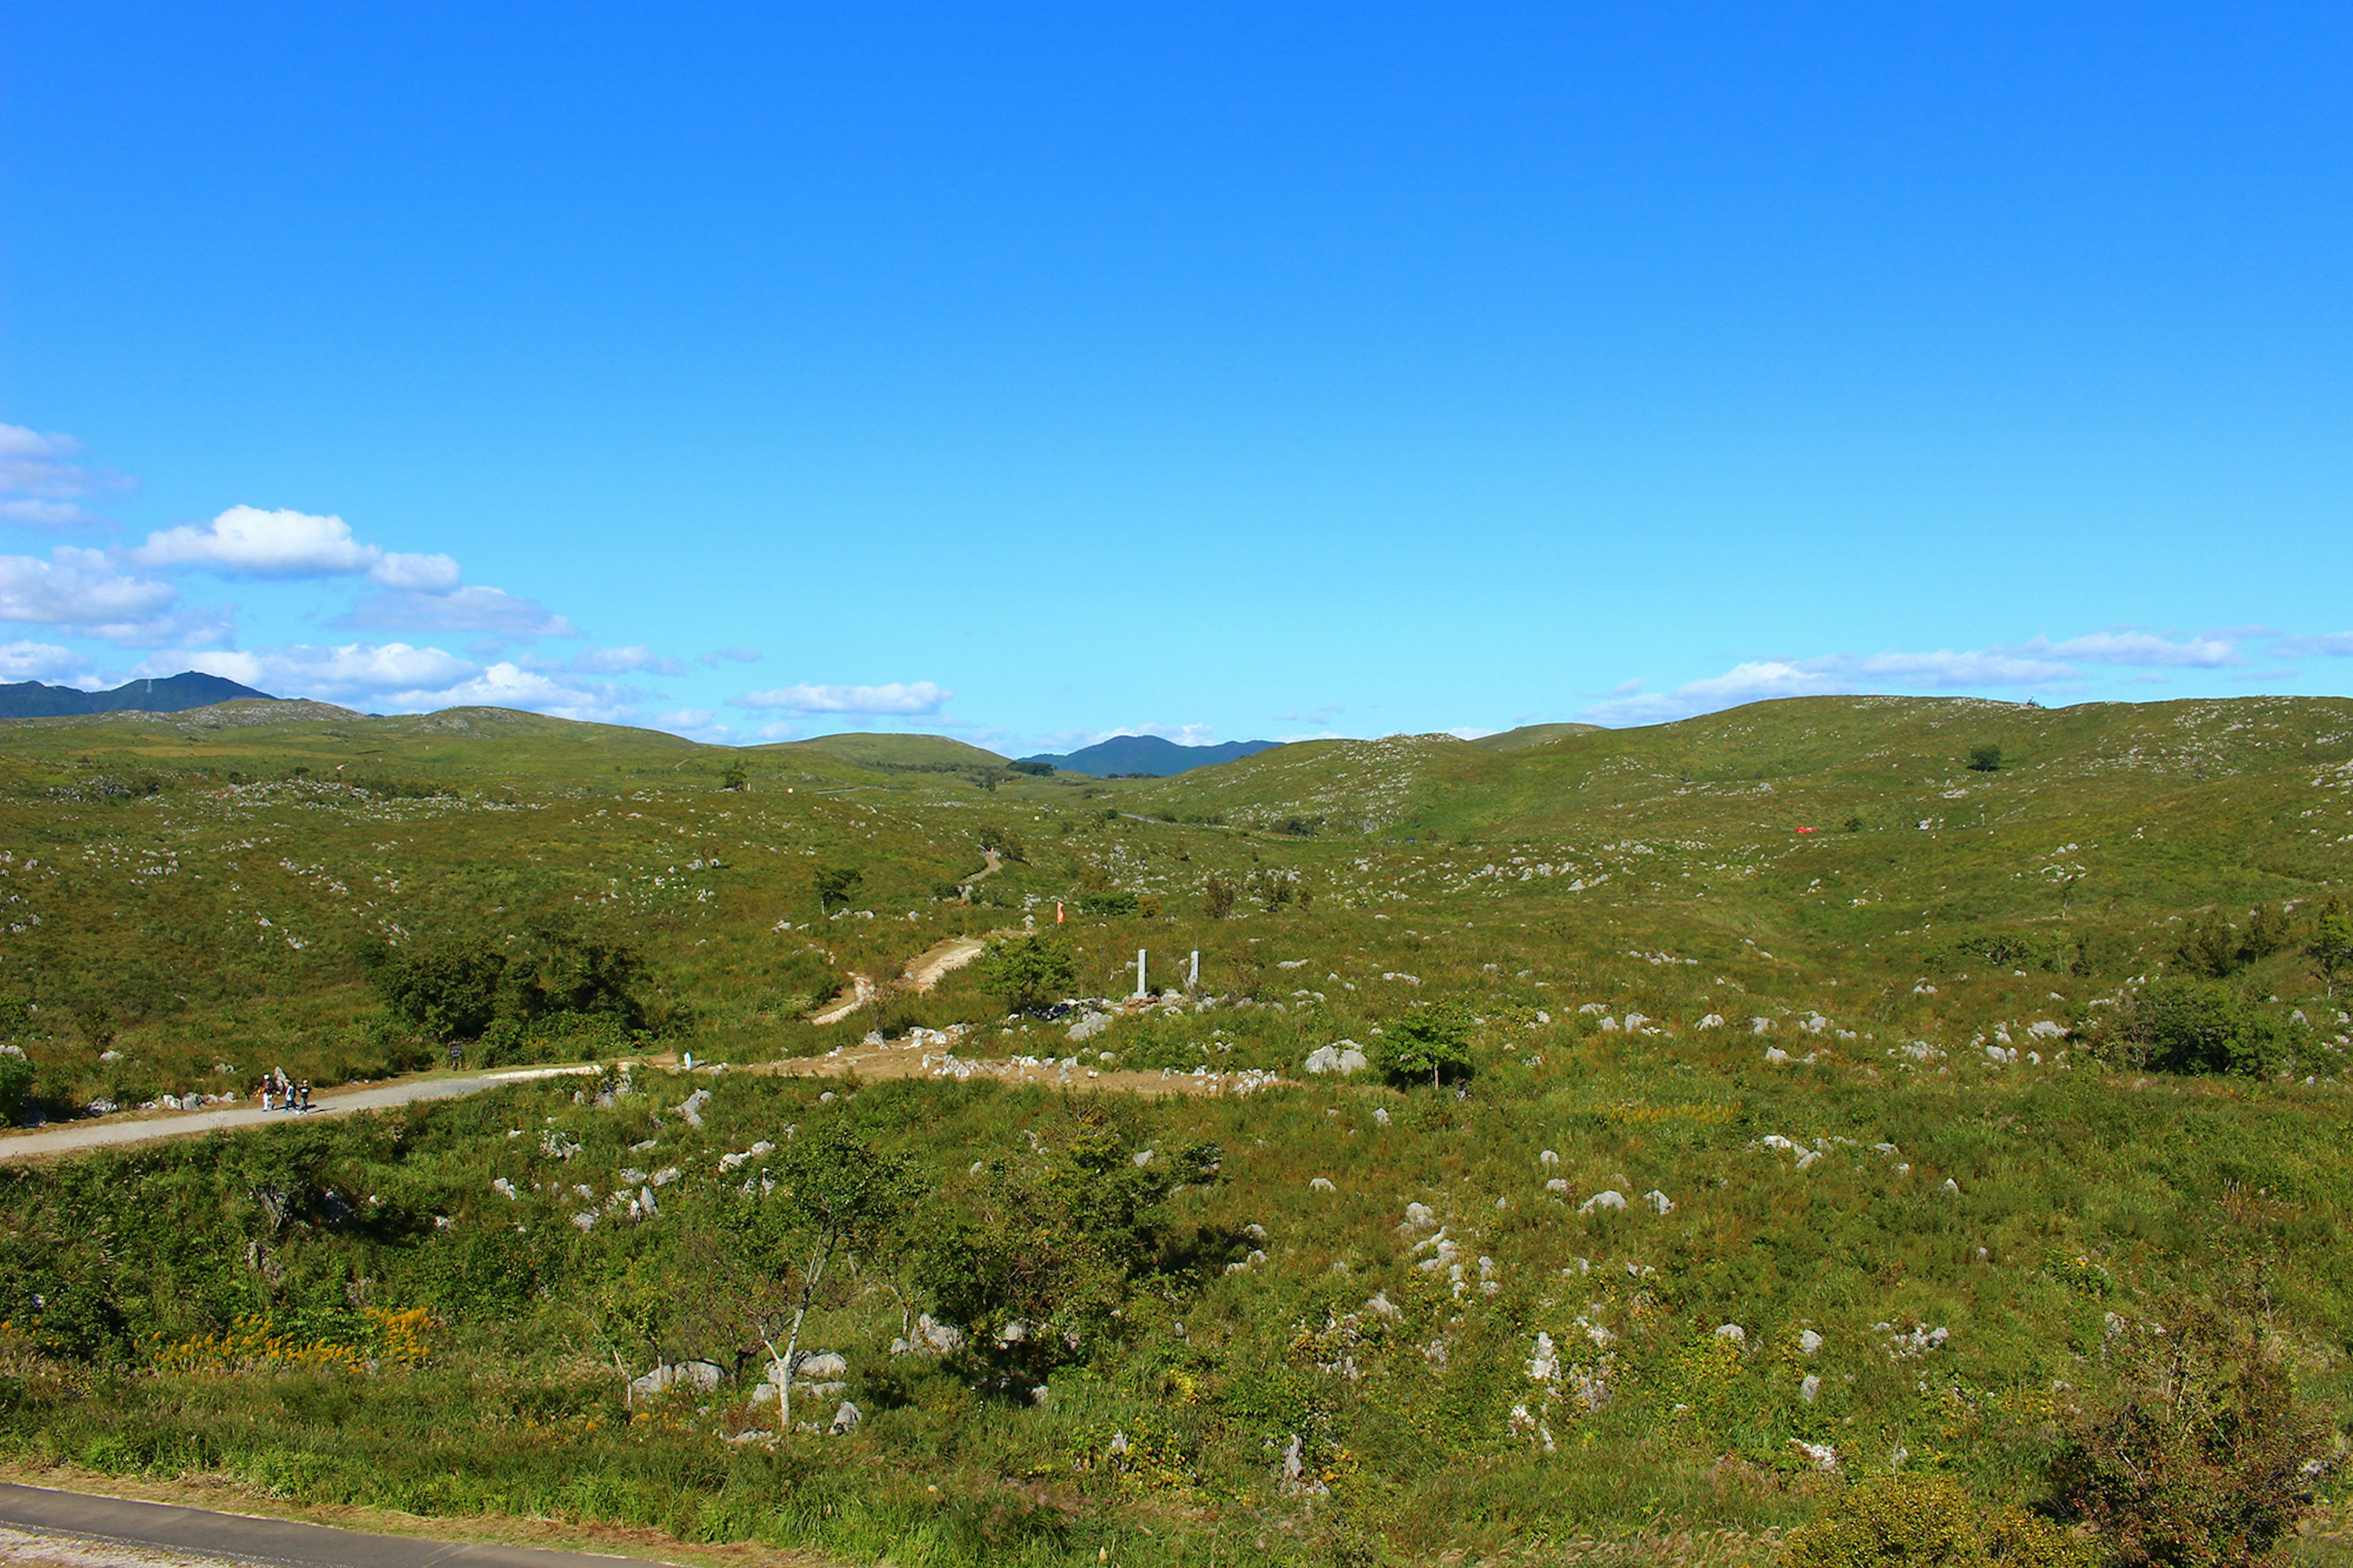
(2191, 1025)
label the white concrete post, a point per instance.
(1139, 972)
(1193, 972)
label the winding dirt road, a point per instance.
(117, 1131)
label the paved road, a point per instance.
(74, 1137)
(278, 1542)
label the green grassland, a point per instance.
(1940, 1140)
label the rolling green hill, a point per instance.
(895, 751)
(1882, 1031)
(1528, 735)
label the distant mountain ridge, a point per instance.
(1150, 754)
(173, 694)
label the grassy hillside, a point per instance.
(895, 751)
(1528, 735)
(1860, 1014)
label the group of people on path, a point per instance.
(278, 1093)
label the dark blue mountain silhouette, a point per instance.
(174, 694)
(1150, 754)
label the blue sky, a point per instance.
(1031, 373)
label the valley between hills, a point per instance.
(1575, 1145)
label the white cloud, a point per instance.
(1471, 732)
(39, 661)
(1183, 734)
(49, 513)
(402, 678)
(84, 590)
(2141, 650)
(355, 670)
(461, 610)
(686, 718)
(2331, 644)
(506, 685)
(623, 660)
(39, 485)
(246, 541)
(2036, 665)
(909, 700)
(1949, 671)
(415, 573)
(733, 656)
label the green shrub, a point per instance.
(2206, 1458)
(1909, 1519)
(449, 989)
(16, 1075)
(1026, 973)
(1918, 1520)
(1433, 1044)
(2194, 1026)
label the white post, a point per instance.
(1139, 972)
(1193, 972)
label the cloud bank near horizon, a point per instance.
(103, 613)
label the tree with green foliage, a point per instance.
(565, 967)
(446, 990)
(2331, 947)
(2185, 1025)
(837, 1199)
(1985, 759)
(735, 778)
(1432, 1043)
(2267, 933)
(834, 886)
(2210, 947)
(1037, 1264)
(1026, 973)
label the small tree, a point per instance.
(1026, 973)
(2331, 947)
(446, 990)
(734, 778)
(834, 886)
(1432, 1043)
(97, 1026)
(1216, 898)
(836, 1198)
(1985, 759)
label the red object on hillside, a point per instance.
(1058, 911)
(1805, 830)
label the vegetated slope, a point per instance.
(1149, 754)
(895, 751)
(172, 694)
(1866, 1068)
(1528, 735)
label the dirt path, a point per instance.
(76, 1136)
(936, 1058)
(925, 972)
(919, 977)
